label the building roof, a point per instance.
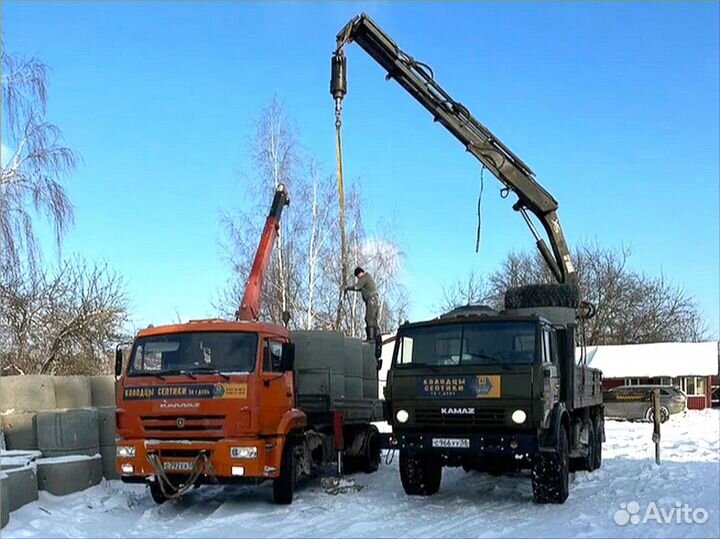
(656, 359)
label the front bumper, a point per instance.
(509, 444)
(173, 453)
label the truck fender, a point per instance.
(547, 439)
(291, 420)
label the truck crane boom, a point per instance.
(418, 80)
(250, 305)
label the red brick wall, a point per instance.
(609, 383)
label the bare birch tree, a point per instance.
(321, 201)
(305, 275)
(34, 162)
(274, 154)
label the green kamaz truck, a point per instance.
(480, 388)
(498, 392)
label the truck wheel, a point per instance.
(284, 485)
(598, 440)
(589, 464)
(420, 475)
(551, 473)
(371, 459)
(664, 414)
(543, 295)
(157, 494)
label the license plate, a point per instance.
(462, 443)
(177, 466)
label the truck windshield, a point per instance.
(485, 343)
(225, 352)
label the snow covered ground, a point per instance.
(468, 505)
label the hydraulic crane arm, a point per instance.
(418, 80)
(250, 305)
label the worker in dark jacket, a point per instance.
(366, 286)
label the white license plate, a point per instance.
(462, 443)
(177, 466)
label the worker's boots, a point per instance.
(373, 336)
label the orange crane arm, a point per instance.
(250, 305)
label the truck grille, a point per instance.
(184, 426)
(481, 417)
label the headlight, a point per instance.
(125, 451)
(402, 416)
(518, 416)
(243, 452)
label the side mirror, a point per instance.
(287, 362)
(285, 317)
(118, 361)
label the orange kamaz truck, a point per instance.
(243, 401)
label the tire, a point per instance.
(420, 475)
(586, 463)
(284, 485)
(664, 414)
(157, 494)
(543, 295)
(371, 459)
(551, 473)
(590, 458)
(598, 440)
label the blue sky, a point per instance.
(614, 106)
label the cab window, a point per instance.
(547, 347)
(272, 356)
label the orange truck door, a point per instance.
(276, 389)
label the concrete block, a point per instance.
(27, 393)
(108, 453)
(316, 349)
(313, 381)
(67, 429)
(22, 485)
(106, 425)
(369, 362)
(102, 389)
(370, 389)
(4, 501)
(65, 475)
(58, 453)
(353, 355)
(19, 430)
(337, 385)
(15, 459)
(353, 387)
(72, 392)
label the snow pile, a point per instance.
(468, 505)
